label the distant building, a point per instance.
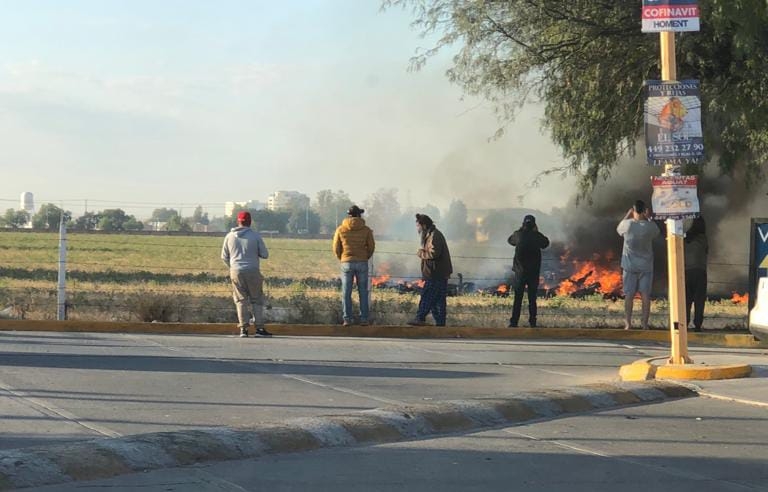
(254, 205)
(287, 199)
(27, 203)
(230, 207)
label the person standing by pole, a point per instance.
(637, 260)
(436, 269)
(241, 251)
(354, 245)
(696, 250)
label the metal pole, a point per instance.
(61, 313)
(678, 327)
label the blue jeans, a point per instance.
(357, 270)
(433, 299)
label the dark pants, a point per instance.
(433, 300)
(531, 281)
(696, 295)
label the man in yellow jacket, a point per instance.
(353, 245)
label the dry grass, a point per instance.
(181, 278)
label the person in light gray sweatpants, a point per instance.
(241, 251)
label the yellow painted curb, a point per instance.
(644, 369)
(637, 371)
(703, 372)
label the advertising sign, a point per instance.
(670, 15)
(674, 197)
(758, 257)
(673, 122)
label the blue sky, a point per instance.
(142, 104)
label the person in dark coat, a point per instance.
(528, 243)
(696, 249)
(436, 268)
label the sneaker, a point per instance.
(363, 322)
(262, 332)
(346, 323)
(417, 322)
(243, 332)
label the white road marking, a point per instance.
(659, 469)
(287, 376)
(53, 411)
(734, 400)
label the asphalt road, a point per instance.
(696, 444)
(73, 386)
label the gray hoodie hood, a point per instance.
(242, 249)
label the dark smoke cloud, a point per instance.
(726, 203)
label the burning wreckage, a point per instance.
(584, 278)
(563, 276)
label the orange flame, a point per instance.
(380, 281)
(740, 298)
(419, 283)
(600, 270)
(502, 289)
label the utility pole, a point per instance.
(678, 326)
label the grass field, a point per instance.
(181, 278)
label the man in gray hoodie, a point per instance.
(241, 252)
(638, 232)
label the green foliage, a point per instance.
(89, 221)
(113, 220)
(303, 221)
(177, 223)
(270, 220)
(14, 218)
(132, 224)
(198, 217)
(587, 61)
(163, 214)
(49, 217)
(331, 207)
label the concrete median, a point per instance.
(103, 458)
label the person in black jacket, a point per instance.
(696, 250)
(528, 243)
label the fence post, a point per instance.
(61, 313)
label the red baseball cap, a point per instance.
(244, 216)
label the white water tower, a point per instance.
(27, 202)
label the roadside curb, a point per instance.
(104, 458)
(717, 339)
(645, 369)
